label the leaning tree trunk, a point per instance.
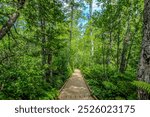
(12, 19)
(144, 65)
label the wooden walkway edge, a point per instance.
(76, 88)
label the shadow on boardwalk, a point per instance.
(76, 88)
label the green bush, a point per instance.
(114, 85)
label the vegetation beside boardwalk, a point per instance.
(43, 41)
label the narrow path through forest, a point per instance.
(76, 88)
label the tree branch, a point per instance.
(12, 19)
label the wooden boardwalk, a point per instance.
(76, 88)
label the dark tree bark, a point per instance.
(123, 59)
(6, 27)
(12, 19)
(124, 54)
(144, 65)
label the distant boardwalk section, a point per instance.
(76, 88)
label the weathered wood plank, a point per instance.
(76, 88)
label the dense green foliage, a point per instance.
(50, 38)
(22, 73)
(117, 34)
(115, 86)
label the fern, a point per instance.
(109, 85)
(142, 85)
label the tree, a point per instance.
(144, 64)
(33, 54)
(42, 41)
(90, 17)
(12, 19)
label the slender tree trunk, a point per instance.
(118, 49)
(49, 72)
(118, 42)
(43, 42)
(123, 55)
(144, 65)
(71, 26)
(110, 38)
(129, 54)
(132, 40)
(71, 30)
(12, 19)
(130, 48)
(109, 49)
(104, 57)
(92, 41)
(43, 48)
(125, 47)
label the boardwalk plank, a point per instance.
(76, 88)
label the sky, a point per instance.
(86, 12)
(95, 7)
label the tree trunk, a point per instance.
(144, 65)
(71, 30)
(118, 49)
(12, 19)
(71, 26)
(123, 55)
(49, 71)
(43, 42)
(109, 48)
(110, 37)
(131, 44)
(125, 47)
(92, 41)
(104, 56)
(118, 42)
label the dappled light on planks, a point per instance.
(75, 88)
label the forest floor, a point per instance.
(75, 88)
